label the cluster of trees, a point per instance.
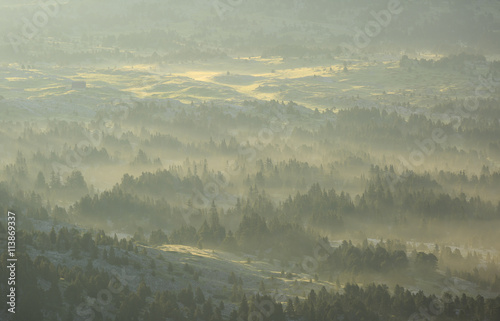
(257, 221)
(49, 291)
(257, 164)
(55, 291)
(50, 286)
(286, 174)
(485, 181)
(472, 267)
(122, 48)
(120, 207)
(461, 62)
(320, 207)
(69, 285)
(277, 238)
(366, 258)
(408, 192)
(30, 297)
(160, 184)
(375, 302)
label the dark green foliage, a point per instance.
(348, 257)
(374, 302)
(426, 262)
(158, 237)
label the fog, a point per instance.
(235, 159)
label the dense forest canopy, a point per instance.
(234, 160)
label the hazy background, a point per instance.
(218, 144)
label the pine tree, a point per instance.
(143, 291)
(40, 181)
(243, 308)
(52, 236)
(290, 310)
(208, 309)
(232, 278)
(199, 297)
(262, 287)
(233, 316)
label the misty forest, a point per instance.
(234, 160)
